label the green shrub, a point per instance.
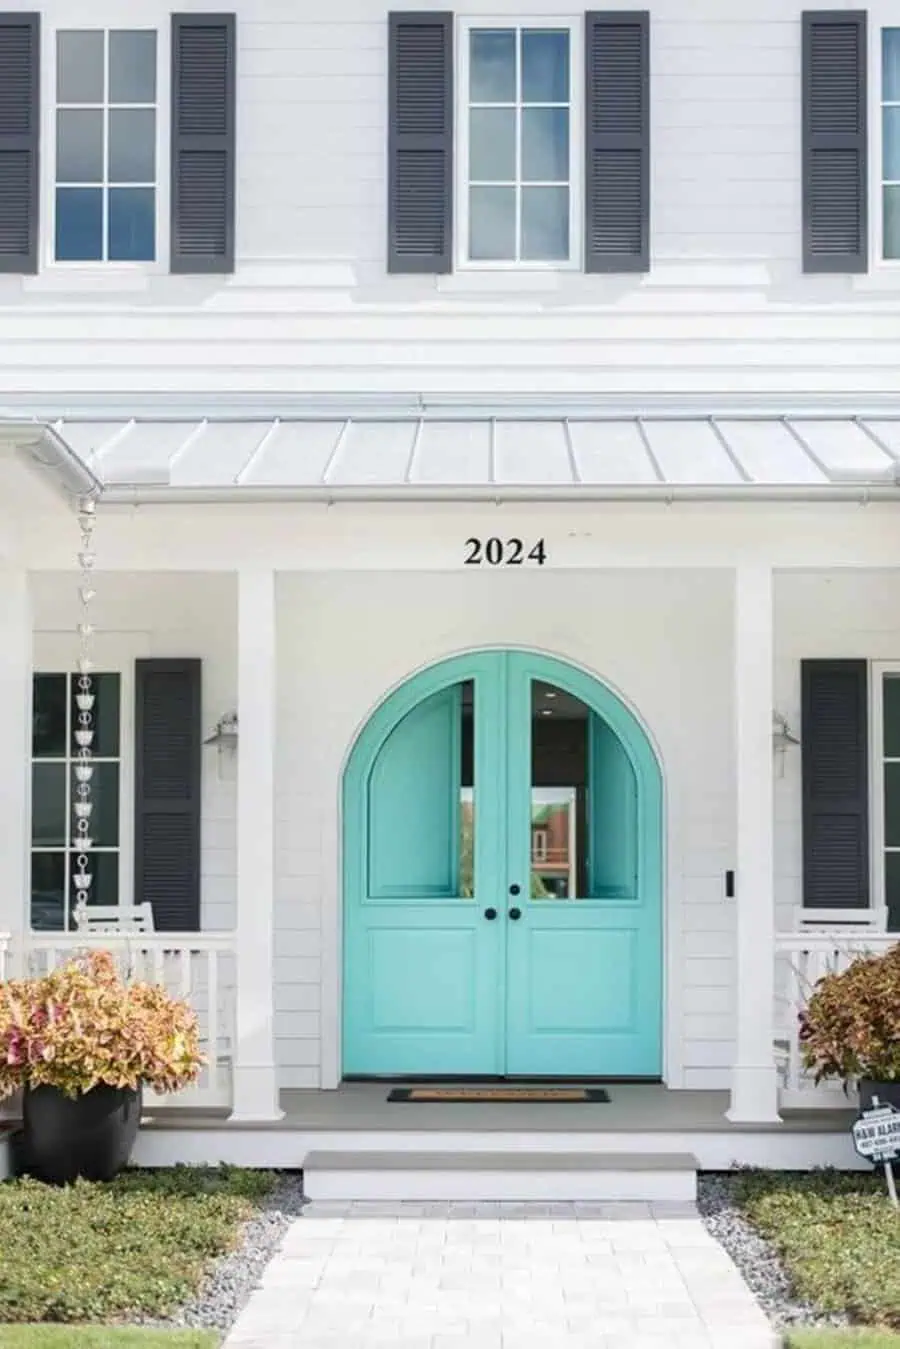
(838, 1236)
(136, 1247)
(850, 1028)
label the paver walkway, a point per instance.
(501, 1276)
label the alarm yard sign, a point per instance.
(876, 1136)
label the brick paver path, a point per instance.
(501, 1276)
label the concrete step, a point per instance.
(517, 1176)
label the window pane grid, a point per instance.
(889, 774)
(87, 228)
(890, 144)
(52, 897)
(540, 202)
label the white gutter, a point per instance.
(143, 494)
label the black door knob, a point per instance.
(490, 914)
(515, 914)
(515, 889)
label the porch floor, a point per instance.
(645, 1107)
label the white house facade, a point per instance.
(486, 425)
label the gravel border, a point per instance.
(234, 1276)
(754, 1256)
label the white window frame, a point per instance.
(574, 24)
(126, 783)
(81, 16)
(877, 849)
(879, 20)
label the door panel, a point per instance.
(421, 960)
(583, 958)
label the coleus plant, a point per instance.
(850, 1028)
(82, 1025)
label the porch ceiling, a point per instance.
(449, 453)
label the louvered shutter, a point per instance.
(20, 47)
(617, 136)
(834, 760)
(167, 792)
(203, 142)
(835, 142)
(420, 143)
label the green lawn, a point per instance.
(832, 1339)
(839, 1239)
(131, 1250)
(103, 1337)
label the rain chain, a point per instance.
(82, 805)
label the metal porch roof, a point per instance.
(442, 455)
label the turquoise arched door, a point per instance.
(503, 878)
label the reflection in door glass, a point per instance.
(583, 827)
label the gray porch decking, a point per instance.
(643, 1107)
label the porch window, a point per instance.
(520, 154)
(890, 143)
(106, 114)
(887, 795)
(54, 721)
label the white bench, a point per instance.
(116, 918)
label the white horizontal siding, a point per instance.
(725, 308)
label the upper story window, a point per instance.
(890, 144)
(106, 185)
(519, 147)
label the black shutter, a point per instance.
(203, 142)
(834, 758)
(617, 141)
(20, 57)
(835, 142)
(167, 792)
(420, 143)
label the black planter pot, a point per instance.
(90, 1136)
(888, 1093)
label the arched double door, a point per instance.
(502, 878)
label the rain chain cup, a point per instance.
(84, 702)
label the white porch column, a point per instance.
(15, 748)
(754, 1087)
(255, 1086)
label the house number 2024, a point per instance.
(496, 552)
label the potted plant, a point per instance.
(81, 1042)
(850, 1030)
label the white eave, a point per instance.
(453, 453)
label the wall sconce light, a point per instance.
(782, 737)
(225, 732)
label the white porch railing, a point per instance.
(801, 959)
(197, 966)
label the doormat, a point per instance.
(500, 1095)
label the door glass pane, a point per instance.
(48, 805)
(48, 716)
(892, 805)
(583, 839)
(48, 889)
(422, 802)
(892, 890)
(892, 717)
